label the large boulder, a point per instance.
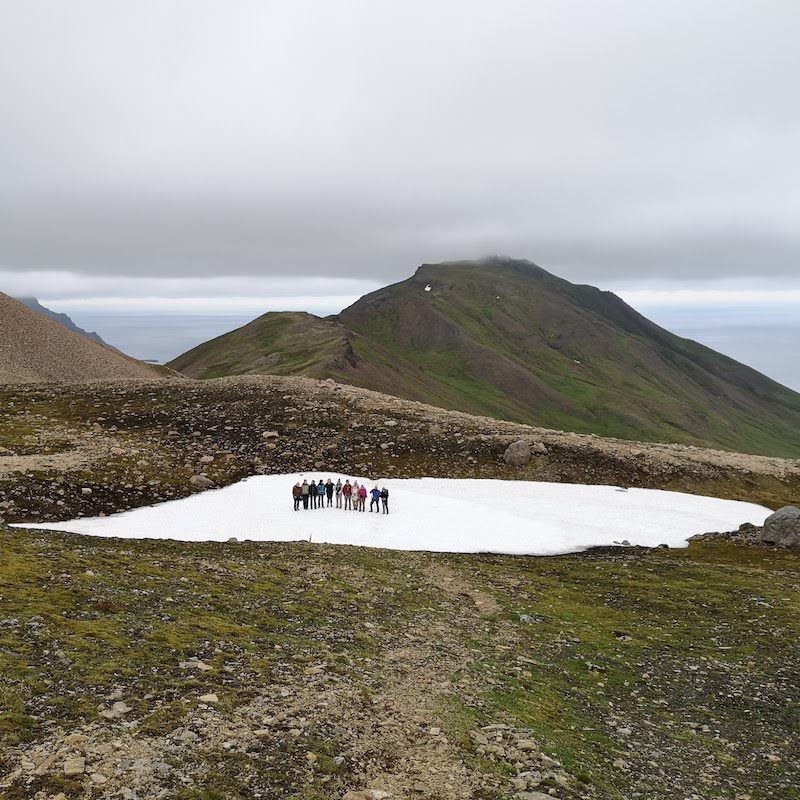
(517, 454)
(782, 528)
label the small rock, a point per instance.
(208, 698)
(119, 709)
(75, 766)
(195, 664)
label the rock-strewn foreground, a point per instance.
(141, 669)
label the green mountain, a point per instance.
(507, 339)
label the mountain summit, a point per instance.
(505, 338)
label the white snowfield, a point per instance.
(458, 516)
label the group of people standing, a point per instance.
(349, 496)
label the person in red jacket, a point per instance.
(362, 497)
(347, 493)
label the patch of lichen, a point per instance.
(659, 640)
(85, 616)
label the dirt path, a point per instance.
(418, 757)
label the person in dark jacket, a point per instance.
(297, 493)
(304, 491)
(385, 499)
(320, 494)
(375, 500)
(312, 493)
(329, 491)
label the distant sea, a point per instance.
(157, 337)
(767, 339)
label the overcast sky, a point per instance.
(257, 147)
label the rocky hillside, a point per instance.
(70, 450)
(63, 319)
(506, 338)
(34, 348)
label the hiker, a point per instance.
(297, 493)
(338, 490)
(356, 501)
(385, 499)
(375, 500)
(304, 489)
(347, 493)
(321, 494)
(329, 491)
(362, 497)
(312, 493)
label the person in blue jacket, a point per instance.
(321, 493)
(375, 500)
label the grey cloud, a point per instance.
(609, 141)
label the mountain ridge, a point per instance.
(63, 319)
(505, 338)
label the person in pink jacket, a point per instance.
(362, 497)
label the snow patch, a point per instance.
(443, 515)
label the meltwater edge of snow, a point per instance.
(437, 514)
